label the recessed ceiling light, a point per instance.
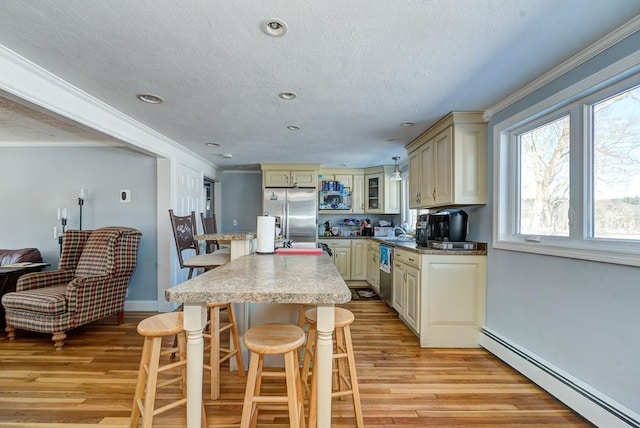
(293, 128)
(150, 98)
(213, 144)
(274, 27)
(227, 155)
(407, 124)
(287, 95)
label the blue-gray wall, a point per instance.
(581, 316)
(36, 181)
(241, 199)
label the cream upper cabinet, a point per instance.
(353, 181)
(290, 175)
(381, 195)
(415, 187)
(357, 194)
(448, 164)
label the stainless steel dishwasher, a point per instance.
(386, 274)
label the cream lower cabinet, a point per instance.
(406, 288)
(359, 253)
(452, 308)
(341, 249)
(373, 266)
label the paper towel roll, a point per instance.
(266, 234)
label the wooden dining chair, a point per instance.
(209, 226)
(184, 230)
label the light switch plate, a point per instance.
(125, 195)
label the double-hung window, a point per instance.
(567, 176)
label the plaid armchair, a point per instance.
(90, 283)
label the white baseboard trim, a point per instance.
(141, 306)
(585, 400)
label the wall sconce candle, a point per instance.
(62, 216)
(81, 196)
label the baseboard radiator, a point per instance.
(588, 402)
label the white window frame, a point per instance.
(576, 101)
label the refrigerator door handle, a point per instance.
(286, 215)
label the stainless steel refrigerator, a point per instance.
(295, 212)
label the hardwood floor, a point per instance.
(91, 381)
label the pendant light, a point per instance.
(395, 176)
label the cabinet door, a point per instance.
(412, 295)
(374, 197)
(304, 178)
(443, 150)
(357, 194)
(415, 179)
(452, 301)
(345, 179)
(373, 269)
(342, 260)
(277, 179)
(391, 191)
(427, 185)
(399, 271)
(359, 252)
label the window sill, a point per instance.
(590, 250)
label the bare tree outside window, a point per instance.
(616, 163)
(544, 179)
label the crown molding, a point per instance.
(74, 143)
(29, 82)
(583, 56)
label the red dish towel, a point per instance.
(299, 251)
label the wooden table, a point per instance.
(240, 243)
(9, 275)
(258, 278)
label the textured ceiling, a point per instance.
(359, 68)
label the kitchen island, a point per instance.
(260, 278)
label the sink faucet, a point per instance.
(398, 230)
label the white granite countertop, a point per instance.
(225, 236)
(261, 278)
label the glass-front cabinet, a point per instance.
(374, 193)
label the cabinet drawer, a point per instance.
(373, 245)
(337, 243)
(408, 257)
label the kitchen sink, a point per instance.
(401, 238)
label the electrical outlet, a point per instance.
(125, 195)
(235, 222)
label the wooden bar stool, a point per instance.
(271, 339)
(346, 382)
(154, 329)
(218, 354)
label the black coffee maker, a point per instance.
(449, 225)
